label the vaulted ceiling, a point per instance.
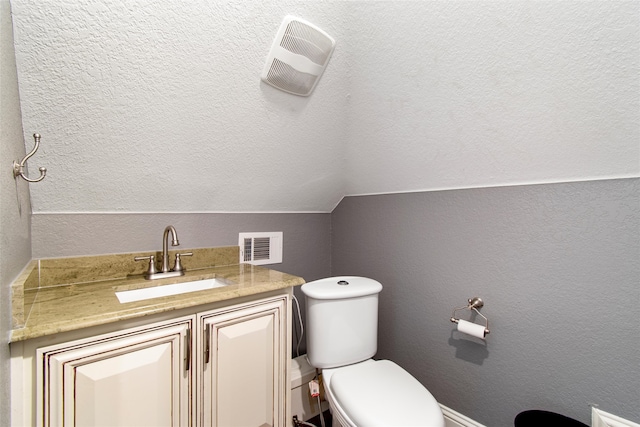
(158, 106)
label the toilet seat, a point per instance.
(380, 393)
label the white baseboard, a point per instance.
(600, 418)
(455, 419)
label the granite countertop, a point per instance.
(70, 306)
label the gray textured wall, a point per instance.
(558, 268)
(15, 207)
(306, 237)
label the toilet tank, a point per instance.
(342, 320)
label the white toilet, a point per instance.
(342, 336)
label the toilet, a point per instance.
(342, 337)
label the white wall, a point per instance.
(157, 106)
(474, 94)
(15, 209)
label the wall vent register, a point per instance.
(260, 248)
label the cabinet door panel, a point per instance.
(131, 388)
(243, 377)
(132, 379)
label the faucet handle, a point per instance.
(152, 263)
(178, 266)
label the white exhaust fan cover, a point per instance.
(298, 56)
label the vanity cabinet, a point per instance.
(220, 365)
(135, 377)
(242, 381)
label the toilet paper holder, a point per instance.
(475, 304)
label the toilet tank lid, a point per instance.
(341, 287)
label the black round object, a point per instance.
(537, 418)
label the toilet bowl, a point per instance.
(379, 393)
(342, 320)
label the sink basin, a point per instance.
(167, 290)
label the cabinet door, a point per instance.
(135, 378)
(244, 365)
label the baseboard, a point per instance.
(600, 418)
(455, 419)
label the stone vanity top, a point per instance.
(44, 305)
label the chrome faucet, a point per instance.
(165, 246)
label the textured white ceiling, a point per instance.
(158, 106)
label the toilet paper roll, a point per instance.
(472, 329)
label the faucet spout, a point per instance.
(165, 246)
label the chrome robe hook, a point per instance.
(18, 168)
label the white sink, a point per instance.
(166, 290)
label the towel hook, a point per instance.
(18, 168)
(475, 304)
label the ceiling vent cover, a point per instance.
(298, 56)
(260, 248)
